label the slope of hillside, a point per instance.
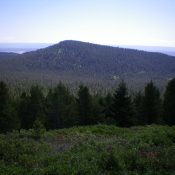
(90, 150)
(75, 60)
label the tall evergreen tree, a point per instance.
(35, 109)
(8, 115)
(61, 108)
(106, 104)
(97, 109)
(23, 111)
(122, 107)
(138, 108)
(151, 104)
(169, 103)
(84, 105)
(4, 95)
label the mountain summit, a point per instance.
(74, 60)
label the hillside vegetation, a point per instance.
(76, 61)
(90, 150)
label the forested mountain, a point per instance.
(80, 61)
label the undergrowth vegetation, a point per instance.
(90, 150)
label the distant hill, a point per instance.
(80, 61)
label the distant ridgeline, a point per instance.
(96, 65)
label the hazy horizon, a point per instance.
(24, 44)
(26, 47)
(109, 22)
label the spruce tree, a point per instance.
(84, 106)
(169, 103)
(97, 109)
(122, 107)
(61, 108)
(138, 108)
(106, 103)
(8, 116)
(36, 106)
(24, 111)
(151, 104)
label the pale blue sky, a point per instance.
(114, 22)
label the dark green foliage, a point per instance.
(38, 129)
(122, 107)
(32, 107)
(23, 110)
(37, 104)
(61, 110)
(84, 105)
(169, 103)
(90, 150)
(138, 108)
(58, 108)
(151, 104)
(107, 103)
(4, 95)
(97, 109)
(8, 116)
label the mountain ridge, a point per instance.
(77, 59)
(27, 47)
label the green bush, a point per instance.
(38, 129)
(101, 150)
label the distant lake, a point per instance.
(22, 47)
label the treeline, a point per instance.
(59, 108)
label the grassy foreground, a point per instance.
(91, 150)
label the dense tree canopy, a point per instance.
(58, 108)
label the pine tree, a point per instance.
(151, 104)
(122, 107)
(169, 103)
